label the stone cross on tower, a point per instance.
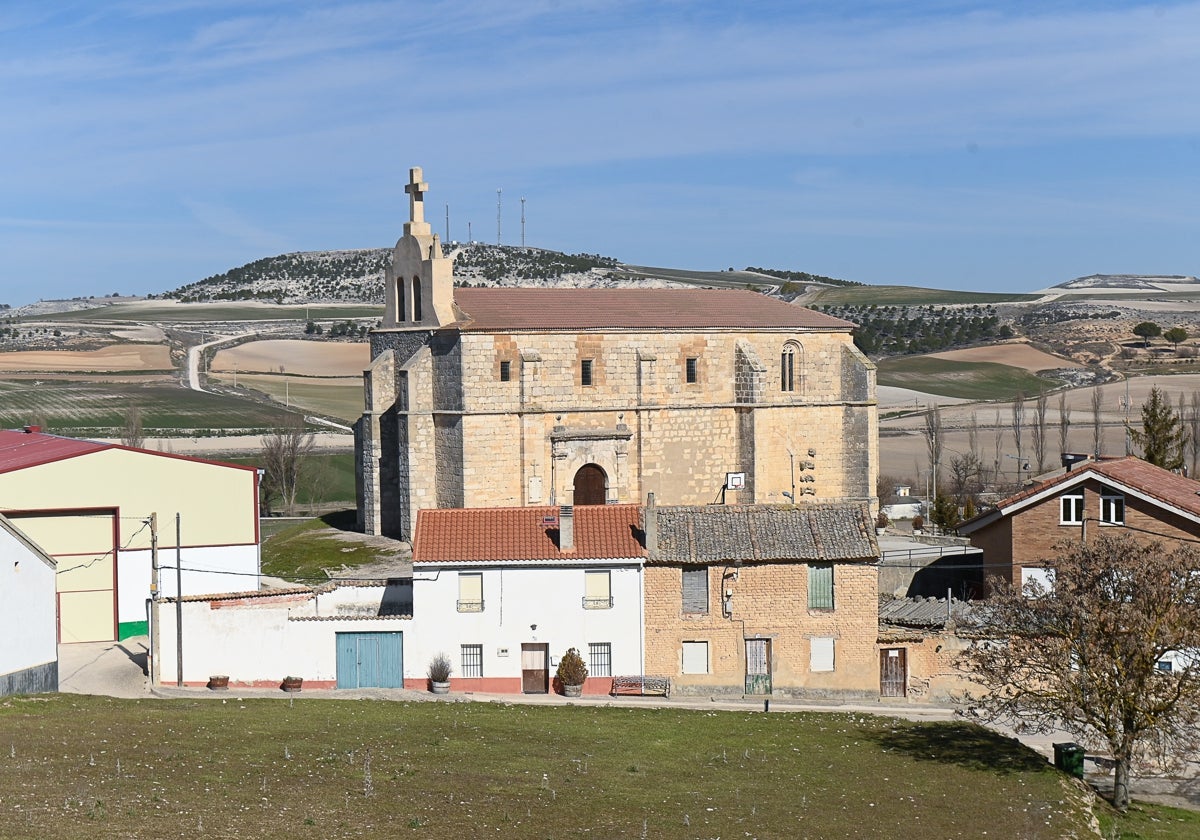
(416, 190)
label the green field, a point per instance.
(140, 312)
(337, 397)
(966, 380)
(97, 409)
(905, 296)
(86, 766)
(301, 552)
(326, 478)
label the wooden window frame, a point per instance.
(689, 607)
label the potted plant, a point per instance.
(292, 683)
(572, 671)
(439, 674)
(881, 522)
(219, 682)
(918, 523)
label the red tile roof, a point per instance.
(517, 533)
(581, 309)
(19, 449)
(1161, 485)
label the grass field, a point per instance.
(904, 296)
(340, 397)
(301, 552)
(967, 380)
(325, 479)
(84, 766)
(97, 409)
(174, 313)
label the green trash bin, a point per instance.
(1068, 757)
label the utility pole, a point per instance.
(155, 640)
(498, 216)
(447, 223)
(178, 605)
(522, 222)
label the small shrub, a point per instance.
(918, 522)
(881, 520)
(439, 668)
(571, 668)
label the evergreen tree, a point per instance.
(1163, 436)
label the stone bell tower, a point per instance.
(419, 284)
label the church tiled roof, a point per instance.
(519, 533)
(761, 533)
(645, 309)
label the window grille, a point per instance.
(600, 659)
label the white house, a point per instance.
(29, 655)
(504, 592)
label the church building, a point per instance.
(502, 397)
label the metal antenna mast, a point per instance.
(522, 221)
(497, 217)
(447, 222)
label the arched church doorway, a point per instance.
(591, 484)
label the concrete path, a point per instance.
(118, 669)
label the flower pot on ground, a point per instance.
(219, 682)
(439, 674)
(572, 672)
(918, 523)
(881, 522)
(292, 683)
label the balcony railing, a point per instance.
(598, 603)
(470, 606)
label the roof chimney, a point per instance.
(566, 528)
(1070, 459)
(651, 529)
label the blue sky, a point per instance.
(993, 146)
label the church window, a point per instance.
(401, 312)
(787, 369)
(505, 371)
(416, 284)
(585, 372)
(692, 370)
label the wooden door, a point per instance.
(590, 485)
(893, 672)
(535, 668)
(758, 666)
(370, 660)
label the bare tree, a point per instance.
(998, 450)
(1018, 426)
(1097, 426)
(933, 442)
(1038, 430)
(283, 455)
(964, 478)
(131, 432)
(1193, 422)
(1064, 423)
(1085, 654)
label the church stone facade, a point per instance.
(505, 397)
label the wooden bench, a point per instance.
(641, 685)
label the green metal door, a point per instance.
(758, 666)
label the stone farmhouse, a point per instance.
(1020, 533)
(89, 506)
(511, 397)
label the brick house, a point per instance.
(508, 397)
(1020, 533)
(762, 599)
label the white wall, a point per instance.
(261, 640)
(28, 615)
(515, 598)
(231, 568)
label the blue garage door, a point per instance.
(370, 660)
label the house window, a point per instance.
(585, 372)
(1070, 510)
(597, 591)
(470, 591)
(472, 661)
(600, 659)
(695, 657)
(1037, 580)
(695, 590)
(787, 369)
(1112, 508)
(505, 371)
(691, 368)
(820, 586)
(1164, 665)
(820, 654)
